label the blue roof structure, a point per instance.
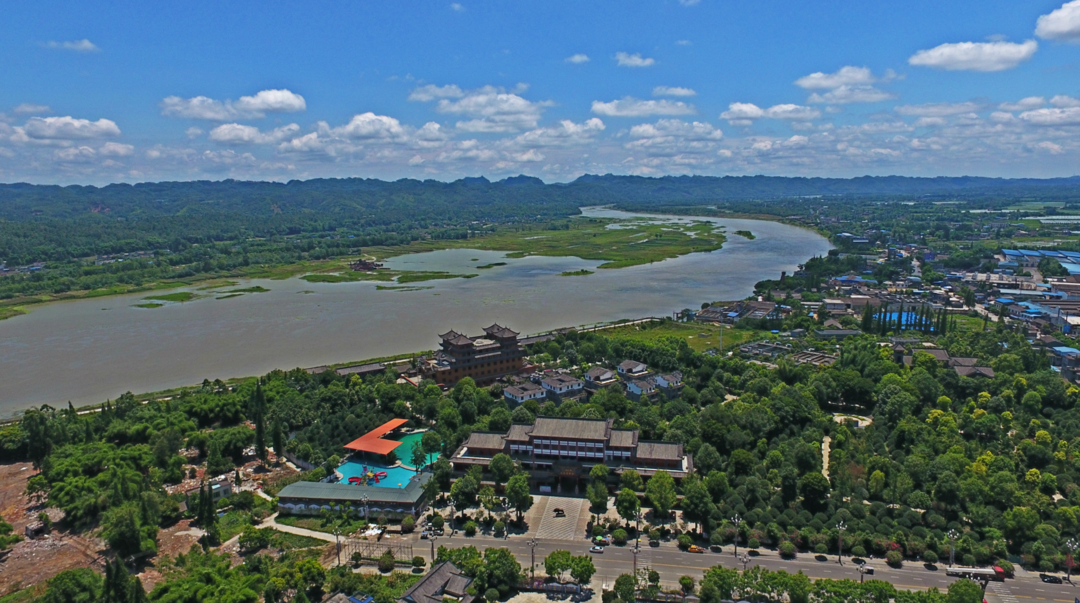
(1063, 350)
(1005, 301)
(1011, 252)
(1071, 267)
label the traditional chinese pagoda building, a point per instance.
(496, 353)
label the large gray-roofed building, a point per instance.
(443, 581)
(310, 498)
(577, 429)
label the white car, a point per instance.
(597, 549)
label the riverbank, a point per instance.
(618, 243)
(87, 351)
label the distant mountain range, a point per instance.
(481, 198)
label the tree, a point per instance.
(258, 403)
(500, 570)
(625, 587)
(253, 539)
(502, 467)
(216, 462)
(463, 492)
(687, 584)
(597, 494)
(697, 503)
(419, 457)
(814, 489)
(557, 562)
(707, 459)
(627, 504)
(431, 442)
(37, 488)
(116, 587)
(632, 479)
(598, 473)
(81, 585)
(582, 569)
(661, 494)
(279, 438)
(517, 493)
(965, 591)
(125, 533)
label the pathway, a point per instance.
(271, 522)
(825, 456)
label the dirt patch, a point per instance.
(35, 561)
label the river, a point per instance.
(85, 351)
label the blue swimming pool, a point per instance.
(396, 477)
(404, 452)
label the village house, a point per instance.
(598, 377)
(523, 392)
(640, 388)
(562, 386)
(632, 368)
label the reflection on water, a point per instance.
(89, 350)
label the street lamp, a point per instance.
(1070, 547)
(532, 550)
(636, 551)
(953, 537)
(637, 528)
(840, 527)
(364, 499)
(862, 572)
(745, 560)
(736, 520)
(433, 538)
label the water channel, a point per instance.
(85, 351)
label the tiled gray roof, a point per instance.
(488, 440)
(659, 450)
(518, 433)
(445, 577)
(623, 438)
(577, 429)
(349, 493)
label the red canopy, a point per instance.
(372, 441)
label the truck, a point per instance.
(977, 573)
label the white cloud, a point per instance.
(193, 132)
(938, 109)
(683, 43)
(368, 126)
(1024, 104)
(491, 109)
(1062, 100)
(633, 60)
(793, 112)
(431, 92)
(81, 154)
(26, 108)
(629, 106)
(257, 106)
(116, 149)
(930, 122)
(743, 113)
(1061, 24)
(845, 76)
(457, 7)
(1069, 116)
(843, 95)
(672, 91)
(975, 56)
(241, 134)
(689, 2)
(564, 134)
(82, 45)
(1046, 145)
(66, 128)
(271, 101)
(578, 58)
(671, 136)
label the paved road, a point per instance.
(672, 563)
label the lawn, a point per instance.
(287, 541)
(319, 524)
(700, 336)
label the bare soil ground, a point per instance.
(34, 561)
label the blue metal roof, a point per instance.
(1066, 350)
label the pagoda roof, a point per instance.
(497, 330)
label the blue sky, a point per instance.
(136, 91)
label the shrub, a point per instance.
(491, 594)
(687, 584)
(408, 524)
(500, 527)
(753, 544)
(685, 541)
(1006, 566)
(716, 539)
(418, 562)
(386, 562)
(930, 557)
(821, 548)
(598, 530)
(894, 558)
(787, 550)
(654, 534)
(470, 528)
(858, 551)
(357, 558)
(619, 536)
(438, 522)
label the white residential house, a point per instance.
(524, 392)
(562, 385)
(667, 380)
(632, 368)
(599, 376)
